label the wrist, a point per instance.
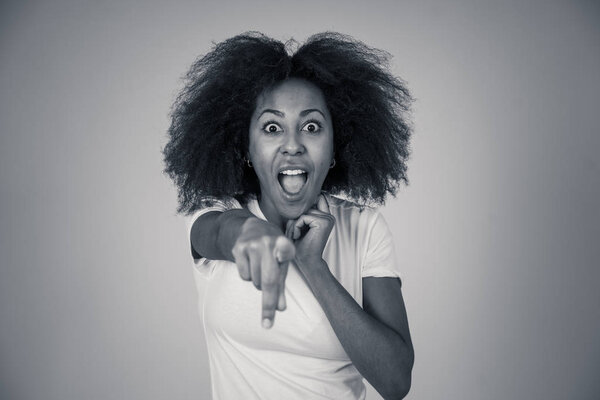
(248, 223)
(317, 274)
(253, 227)
(312, 265)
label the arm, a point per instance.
(376, 338)
(259, 249)
(214, 234)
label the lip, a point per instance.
(296, 196)
(293, 166)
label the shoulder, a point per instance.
(358, 224)
(365, 223)
(344, 205)
(348, 212)
(364, 230)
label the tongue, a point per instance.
(292, 183)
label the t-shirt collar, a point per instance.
(254, 208)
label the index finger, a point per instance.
(270, 289)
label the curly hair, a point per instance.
(209, 132)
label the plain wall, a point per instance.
(498, 231)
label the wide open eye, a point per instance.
(271, 127)
(312, 127)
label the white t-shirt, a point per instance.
(300, 357)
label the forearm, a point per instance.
(379, 353)
(214, 234)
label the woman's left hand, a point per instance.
(310, 232)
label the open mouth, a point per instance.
(292, 180)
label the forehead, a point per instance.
(292, 94)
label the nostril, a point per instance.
(293, 148)
(292, 144)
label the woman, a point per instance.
(259, 142)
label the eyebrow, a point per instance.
(306, 112)
(282, 114)
(270, 110)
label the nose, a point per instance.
(292, 144)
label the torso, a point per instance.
(300, 356)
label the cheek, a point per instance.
(254, 152)
(323, 166)
(261, 161)
(327, 153)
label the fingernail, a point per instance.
(267, 323)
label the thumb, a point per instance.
(284, 249)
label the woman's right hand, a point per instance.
(262, 253)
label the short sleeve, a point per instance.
(202, 265)
(380, 260)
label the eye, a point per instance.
(312, 127)
(271, 127)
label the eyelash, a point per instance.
(311, 121)
(267, 123)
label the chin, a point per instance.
(293, 212)
(291, 206)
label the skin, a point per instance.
(290, 126)
(375, 337)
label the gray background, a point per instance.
(498, 231)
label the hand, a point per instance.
(262, 254)
(310, 232)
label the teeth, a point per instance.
(292, 180)
(292, 172)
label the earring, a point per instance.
(248, 162)
(332, 164)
